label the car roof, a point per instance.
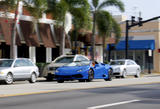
(123, 60)
(13, 59)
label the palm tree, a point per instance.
(79, 9)
(35, 7)
(96, 8)
(106, 25)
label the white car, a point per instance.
(49, 70)
(125, 67)
(18, 69)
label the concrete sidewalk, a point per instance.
(25, 88)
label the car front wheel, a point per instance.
(9, 78)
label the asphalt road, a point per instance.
(122, 97)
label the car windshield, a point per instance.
(117, 62)
(6, 63)
(76, 63)
(64, 60)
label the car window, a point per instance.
(81, 58)
(117, 62)
(65, 60)
(6, 63)
(18, 63)
(130, 63)
(28, 63)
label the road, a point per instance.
(118, 97)
(25, 88)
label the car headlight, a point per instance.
(1, 72)
(56, 71)
(117, 69)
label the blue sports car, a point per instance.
(83, 71)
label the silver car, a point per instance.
(18, 69)
(49, 70)
(124, 67)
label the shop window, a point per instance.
(40, 54)
(23, 51)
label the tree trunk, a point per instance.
(62, 41)
(93, 37)
(13, 52)
(104, 47)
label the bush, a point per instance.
(41, 67)
(106, 62)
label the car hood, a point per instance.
(67, 70)
(4, 68)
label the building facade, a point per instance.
(37, 41)
(143, 44)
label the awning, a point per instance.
(29, 33)
(6, 31)
(135, 45)
(58, 32)
(45, 33)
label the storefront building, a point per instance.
(37, 41)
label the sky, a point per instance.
(147, 8)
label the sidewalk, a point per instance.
(25, 88)
(150, 75)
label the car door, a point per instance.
(131, 68)
(128, 67)
(19, 69)
(98, 70)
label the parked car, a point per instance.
(125, 67)
(18, 69)
(83, 71)
(49, 70)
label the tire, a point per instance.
(137, 74)
(117, 76)
(109, 75)
(33, 78)
(50, 77)
(9, 79)
(124, 74)
(81, 80)
(90, 75)
(60, 81)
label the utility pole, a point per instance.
(133, 24)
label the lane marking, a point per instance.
(112, 104)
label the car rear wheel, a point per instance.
(137, 73)
(9, 78)
(33, 78)
(90, 75)
(60, 81)
(109, 75)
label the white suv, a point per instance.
(49, 70)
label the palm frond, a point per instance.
(104, 22)
(116, 30)
(117, 3)
(95, 3)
